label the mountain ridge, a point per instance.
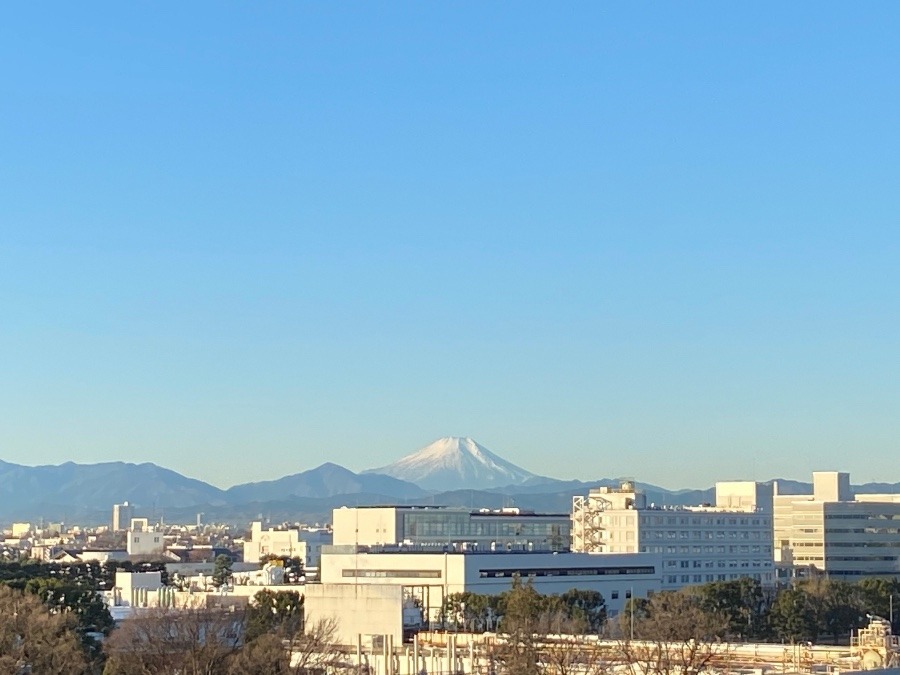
(455, 462)
(446, 470)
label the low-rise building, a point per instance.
(430, 575)
(293, 542)
(144, 542)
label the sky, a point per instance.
(655, 240)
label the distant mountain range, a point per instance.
(450, 472)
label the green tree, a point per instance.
(742, 601)
(222, 570)
(275, 612)
(468, 611)
(875, 598)
(835, 607)
(791, 616)
(33, 639)
(521, 607)
(586, 606)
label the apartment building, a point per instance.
(697, 544)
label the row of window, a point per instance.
(697, 550)
(701, 520)
(697, 564)
(390, 574)
(703, 534)
(699, 578)
(464, 525)
(567, 572)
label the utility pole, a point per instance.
(631, 604)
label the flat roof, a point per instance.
(511, 511)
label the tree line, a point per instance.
(268, 636)
(742, 609)
(53, 621)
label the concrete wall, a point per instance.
(743, 495)
(365, 526)
(357, 609)
(144, 543)
(831, 486)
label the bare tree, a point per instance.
(265, 655)
(310, 652)
(186, 641)
(34, 640)
(570, 653)
(672, 633)
(315, 651)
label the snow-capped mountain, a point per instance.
(455, 463)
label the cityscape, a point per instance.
(395, 338)
(406, 587)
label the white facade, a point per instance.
(698, 544)
(144, 542)
(431, 576)
(304, 543)
(20, 530)
(121, 516)
(357, 609)
(485, 530)
(832, 532)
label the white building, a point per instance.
(697, 544)
(20, 530)
(144, 542)
(121, 516)
(303, 543)
(430, 575)
(833, 532)
(484, 530)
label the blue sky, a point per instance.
(653, 240)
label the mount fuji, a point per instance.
(456, 463)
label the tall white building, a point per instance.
(833, 532)
(697, 544)
(121, 516)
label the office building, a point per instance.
(429, 575)
(697, 544)
(833, 532)
(484, 530)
